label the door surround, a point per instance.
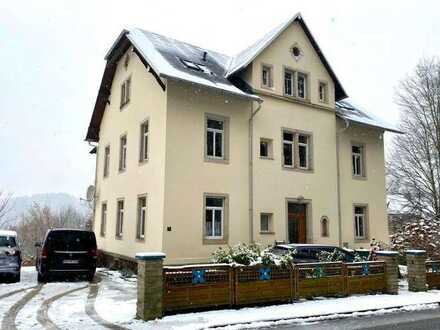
(309, 217)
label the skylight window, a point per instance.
(192, 65)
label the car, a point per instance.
(310, 252)
(10, 256)
(66, 252)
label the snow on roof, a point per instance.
(8, 233)
(169, 58)
(346, 110)
(249, 54)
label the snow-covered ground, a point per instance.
(110, 302)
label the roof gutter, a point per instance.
(244, 96)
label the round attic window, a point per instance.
(297, 53)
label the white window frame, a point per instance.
(292, 146)
(269, 222)
(306, 145)
(103, 218)
(123, 153)
(141, 218)
(357, 172)
(357, 218)
(145, 137)
(298, 75)
(120, 217)
(125, 92)
(323, 97)
(213, 209)
(269, 70)
(214, 132)
(292, 82)
(106, 161)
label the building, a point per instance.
(198, 150)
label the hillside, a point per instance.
(55, 201)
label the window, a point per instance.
(119, 218)
(301, 85)
(214, 217)
(106, 161)
(357, 155)
(288, 147)
(215, 138)
(265, 222)
(265, 148)
(125, 92)
(359, 222)
(322, 92)
(266, 76)
(324, 227)
(303, 151)
(288, 82)
(103, 218)
(141, 218)
(123, 153)
(144, 142)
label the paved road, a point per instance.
(423, 319)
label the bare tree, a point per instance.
(414, 165)
(5, 207)
(34, 224)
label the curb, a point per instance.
(340, 315)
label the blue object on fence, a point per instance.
(365, 269)
(265, 274)
(198, 276)
(319, 272)
(434, 268)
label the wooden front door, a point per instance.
(296, 223)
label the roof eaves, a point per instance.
(242, 94)
(263, 46)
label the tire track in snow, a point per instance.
(90, 306)
(42, 313)
(6, 295)
(8, 322)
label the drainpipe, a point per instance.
(96, 180)
(338, 134)
(251, 171)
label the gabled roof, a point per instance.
(245, 57)
(172, 59)
(167, 57)
(347, 111)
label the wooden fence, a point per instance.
(207, 286)
(433, 274)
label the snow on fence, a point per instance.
(207, 286)
(433, 274)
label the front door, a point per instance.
(296, 222)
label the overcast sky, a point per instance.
(52, 59)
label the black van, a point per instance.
(67, 252)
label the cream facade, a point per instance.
(272, 162)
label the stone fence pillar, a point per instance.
(391, 270)
(149, 285)
(416, 262)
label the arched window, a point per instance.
(324, 227)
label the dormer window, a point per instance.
(266, 76)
